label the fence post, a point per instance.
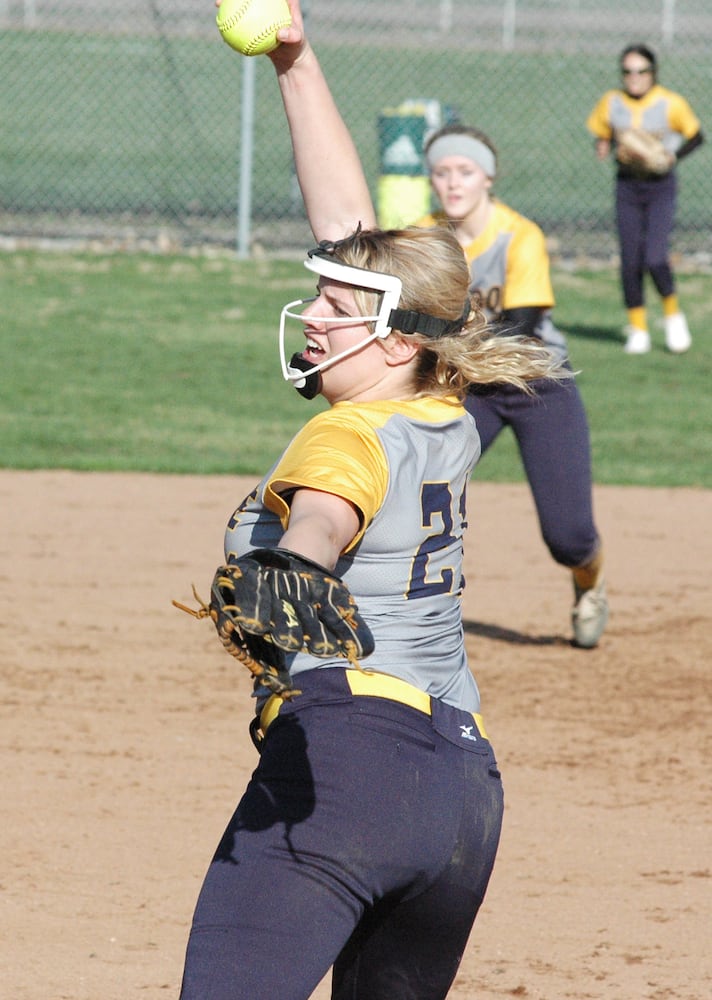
(509, 24)
(668, 25)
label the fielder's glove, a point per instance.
(272, 601)
(295, 603)
(643, 151)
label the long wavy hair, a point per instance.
(435, 279)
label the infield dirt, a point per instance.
(125, 746)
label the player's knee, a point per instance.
(570, 548)
(660, 271)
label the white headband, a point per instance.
(461, 144)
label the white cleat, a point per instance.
(637, 341)
(590, 615)
(677, 333)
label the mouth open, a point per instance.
(313, 352)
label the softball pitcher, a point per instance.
(366, 836)
(509, 279)
(646, 188)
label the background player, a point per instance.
(509, 278)
(646, 200)
(367, 833)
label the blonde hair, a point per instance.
(435, 281)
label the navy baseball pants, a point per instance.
(364, 841)
(551, 430)
(645, 216)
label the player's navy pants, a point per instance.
(551, 430)
(365, 840)
(645, 216)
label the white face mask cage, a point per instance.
(361, 278)
(388, 284)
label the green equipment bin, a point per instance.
(403, 185)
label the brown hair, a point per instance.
(457, 129)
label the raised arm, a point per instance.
(334, 188)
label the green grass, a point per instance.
(152, 363)
(170, 364)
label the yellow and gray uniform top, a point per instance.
(405, 466)
(662, 112)
(509, 269)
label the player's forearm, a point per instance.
(334, 188)
(689, 146)
(522, 321)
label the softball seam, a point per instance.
(237, 16)
(273, 29)
(234, 18)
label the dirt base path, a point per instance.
(125, 747)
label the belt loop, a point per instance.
(480, 723)
(257, 733)
(270, 711)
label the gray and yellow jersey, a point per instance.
(661, 112)
(509, 269)
(405, 466)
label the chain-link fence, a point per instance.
(134, 122)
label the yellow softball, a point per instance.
(251, 26)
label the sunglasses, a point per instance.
(637, 72)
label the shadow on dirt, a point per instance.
(499, 634)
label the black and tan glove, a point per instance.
(272, 601)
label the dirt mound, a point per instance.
(125, 741)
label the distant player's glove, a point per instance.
(643, 151)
